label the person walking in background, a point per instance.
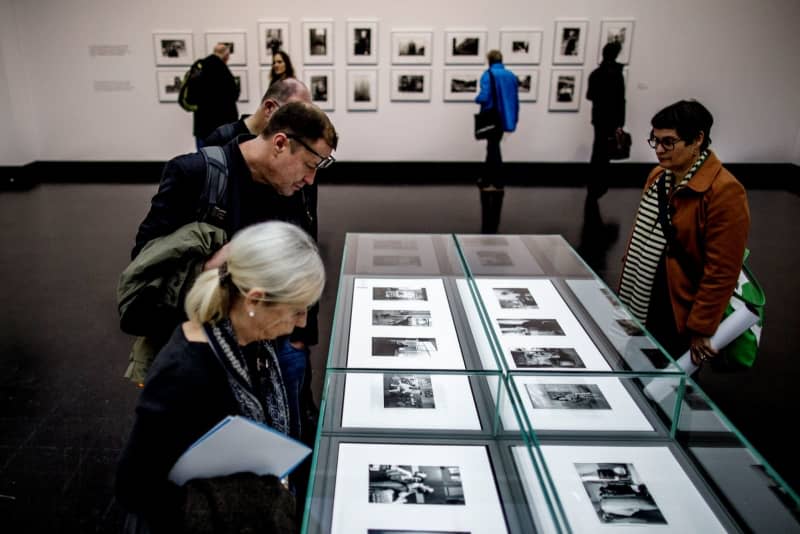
(499, 91)
(214, 91)
(281, 67)
(607, 92)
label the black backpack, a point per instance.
(186, 97)
(213, 199)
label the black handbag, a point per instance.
(619, 145)
(487, 122)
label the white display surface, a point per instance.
(560, 343)
(678, 506)
(396, 254)
(433, 345)
(478, 513)
(441, 402)
(488, 255)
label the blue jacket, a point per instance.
(507, 90)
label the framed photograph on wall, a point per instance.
(236, 41)
(565, 89)
(362, 42)
(569, 46)
(461, 85)
(168, 82)
(320, 84)
(528, 80)
(411, 85)
(465, 47)
(240, 75)
(412, 47)
(318, 42)
(620, 31)
(273, 35)
(521, 47)
(362, 89)
(173, 48)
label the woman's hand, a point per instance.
(701, 350)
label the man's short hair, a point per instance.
(494, 56)
(688, 118)
(304, 120)
(282, 90)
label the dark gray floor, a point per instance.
(65, 410)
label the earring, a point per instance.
(251, 313)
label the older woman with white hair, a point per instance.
(220, 362)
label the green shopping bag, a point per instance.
(748, 292)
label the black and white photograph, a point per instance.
(395, 531)
(320, 84)
(521, 46)
(412, 47)
(630, 327)
(618, 494)
(236, 42)
(612, 299)
(394, 244)
(273, 35)
(619, 31)
(567, 397)
(530, 327)
(515, 298)
(398, 347)
(362, 42)
(408, 391)
(240, 75)
(465, 47)
(411, 85)
(485, 241)
(168, 82)
(546, 358)
(655, 357)
(362, 92)
(173, 48)
(399, 261)
(399, 293)
(401, 318)
(565, 89)
(494, 258)
(693, 399)
(527, 84)
(461, 85)
(317, 42)
(569, 47)
(415, 484)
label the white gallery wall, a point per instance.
(59, 102)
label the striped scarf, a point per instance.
(647, 246)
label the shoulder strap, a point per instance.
(212, 205)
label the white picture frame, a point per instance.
(168, 84)
(237, 40)
(362, 41)
(318, 41)
(412, 47)
(273, 34)
(461, 85)
(240, 75)
(620, 30)
(566, 89)
(521, 46)
(569, 41)
(320, 83)
(362, 89)
(410, 85)
(173, 48)
(528, 84)
(465, 47)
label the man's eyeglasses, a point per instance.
(667, 142)
(324, 162)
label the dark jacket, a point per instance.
(226, 133)
(215, 93)
(607, 92)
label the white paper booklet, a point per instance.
(238, 444)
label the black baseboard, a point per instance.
(538, 174)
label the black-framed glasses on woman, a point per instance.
(667, 142)
(324, 162)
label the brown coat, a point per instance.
(712, 219)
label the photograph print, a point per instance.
(515, 298)
(545, 396)
(362, 42)
(320, 84)
(494, 258)
(618, 494)
(408, 391)
(273, 35)
(412, 47)
(362, 95)
(527, 84)
(521, 47)
(530, 327)
(173, 48)
(569, 47)
(406, 531)
(318, 42)
(415, 484)
(565, 89)
(396, 261)
(409, 347)
(630, 327)
(620, 31)
(399, 293)
(401, 318)
(236, 42)
(461, 85)
(536, 358)
(395, 244)
(169, 83)
(465, 47)
(411, 85)
(240, 75)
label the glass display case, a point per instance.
(495, 384)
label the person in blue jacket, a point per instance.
(500, 91)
